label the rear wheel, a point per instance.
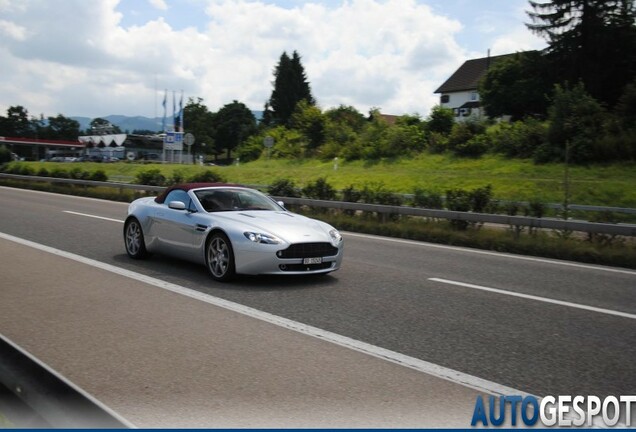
(219, 257)
(134, 239)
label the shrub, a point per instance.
(458, 200)
(284, 188)
(78, 174)
(5, 154)
(99, 175)
(207, 176)
(519, 139)
(177, 177)
(320, 190)
(474, 147)
(59, 173)
(427, 199)
(250, 149)
(376, 194)
(351, 194)
(480, 199)
(152, 177)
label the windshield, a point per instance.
(218, 200)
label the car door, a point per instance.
(174, 227)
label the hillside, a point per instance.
(131, 123)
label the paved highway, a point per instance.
(533, 325)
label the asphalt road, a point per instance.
(538, 326)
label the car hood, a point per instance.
(290, 227)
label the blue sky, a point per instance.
(100, 57)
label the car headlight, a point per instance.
(261, 238)
(335, 236)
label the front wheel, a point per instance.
(134, 240)
(219, 257)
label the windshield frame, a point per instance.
(226, 199)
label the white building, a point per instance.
(460, 91)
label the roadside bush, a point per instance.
(43, 172)
(458, 200)
(99, 175)
(284, 188)
(79, 174)
(353, 195)
(152, 177)
(207, 176)
(320, 190)
(60, 173)
(427, 199)
(480, 199)
(375, 193)
(178, 177)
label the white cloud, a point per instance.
(158, 4)
(74, 57)
(12, 30)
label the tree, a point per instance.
(16, 123)
(309, 120)
(233, 124)
(593, 41)
(62, 128)
(516, 86)
(198, 122)
(576, 126)
(290, 87)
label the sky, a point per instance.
(94, 58)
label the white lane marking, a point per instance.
(433, 369)
(537, 298)
(498, 254)
(92, 216)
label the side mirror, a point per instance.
(176, 205)
(280, 203)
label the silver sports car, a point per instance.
(231, 230)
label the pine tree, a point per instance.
(290, 87)
(593, 41)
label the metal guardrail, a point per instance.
(517, 221)
(544, 223)
(35, 396)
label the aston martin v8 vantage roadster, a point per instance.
(231, 230)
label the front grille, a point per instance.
(308, 250)
(305, 267)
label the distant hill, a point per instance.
(130, 124)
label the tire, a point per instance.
(134, 240)
(219, 257)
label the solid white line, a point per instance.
(438, 371)
(537, 298)
(498, 254)
(92, 216)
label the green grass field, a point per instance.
(511, 179)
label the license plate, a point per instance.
(312, 261)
